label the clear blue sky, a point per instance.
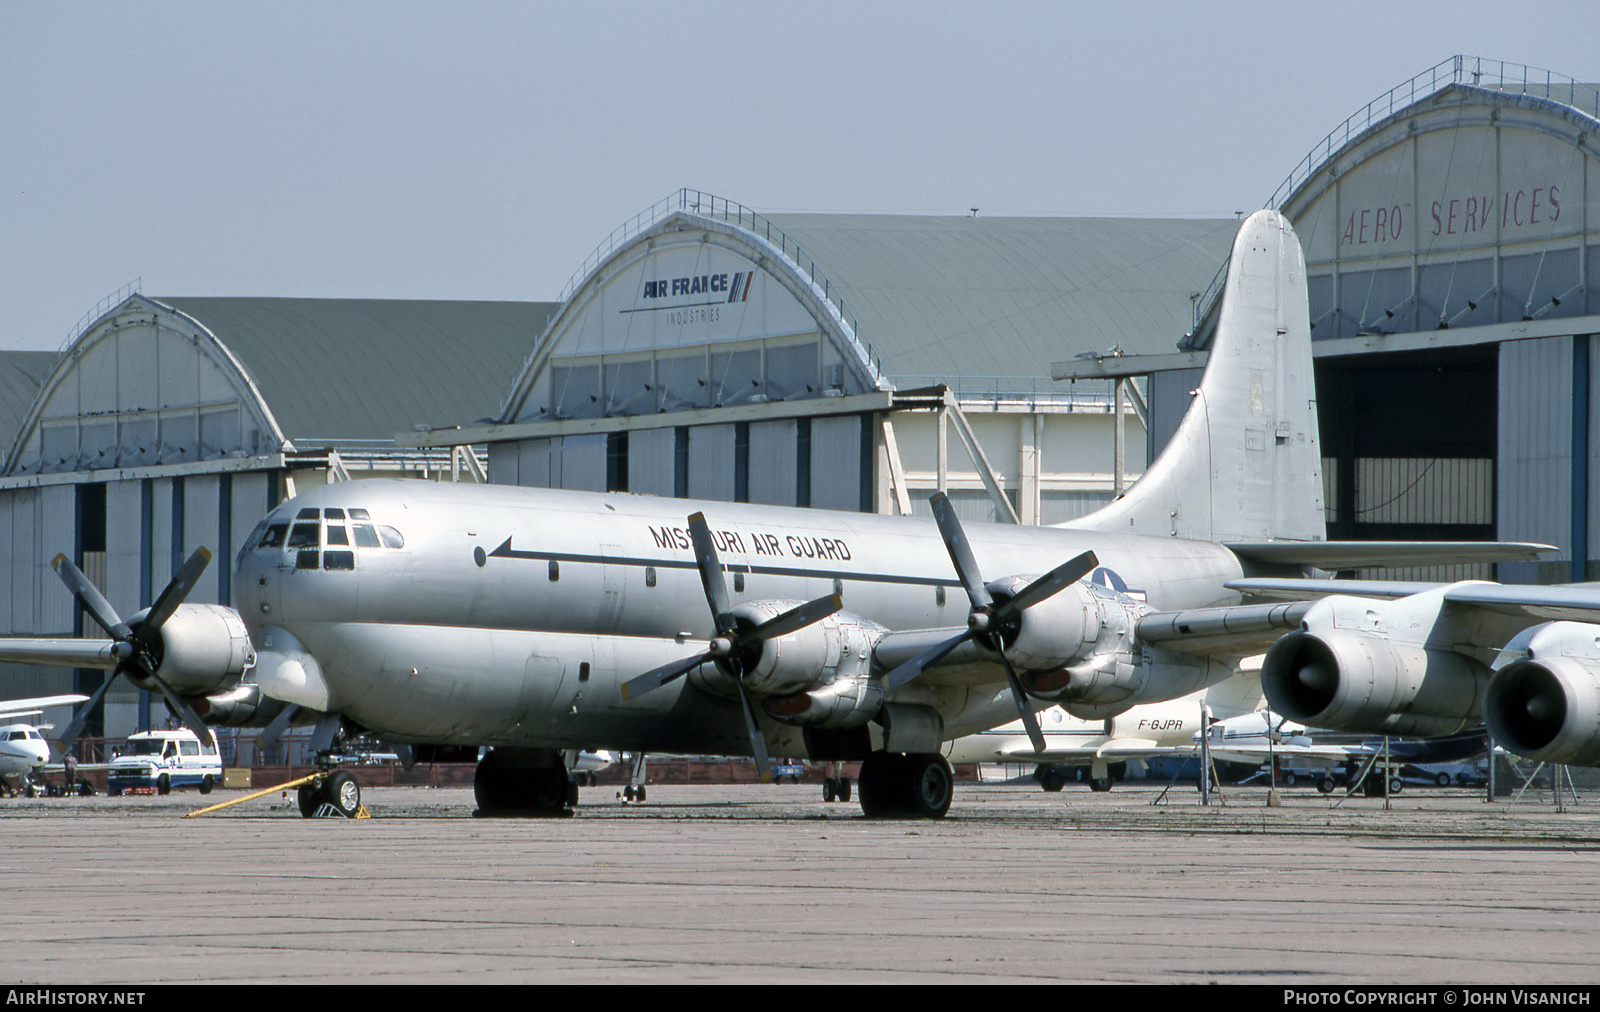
(480, 150)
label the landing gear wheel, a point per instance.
(639, 794)
(827, 790)
(1395, 785)
(914, 786)
(163, 784)
(1442, 779)
(1100, 785)
(1288, 779)
(932, 786)
(843, 789)
(1325, 785)
(342, 792)
(1051, 779)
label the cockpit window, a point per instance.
(333, 514)
(366, 536)
(391, 538)
(337, 535)
(357, 514)
(309, 513)
(274, 536)
(305, 536)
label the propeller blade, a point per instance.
(1048, 585)
(176, 591)
(89, 596)
(705, 556)
(758, 742)
(796, 618)
(653, 680)
(955, 542)
(1030, 720)
(191, 720)
(69, 737)
(908, 670)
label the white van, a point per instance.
(164, 760)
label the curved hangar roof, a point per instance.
(703, 303)
(174, 381)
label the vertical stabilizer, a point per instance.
(1244, 464)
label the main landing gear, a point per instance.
(523, 782)
(917, 786)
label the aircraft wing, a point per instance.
(1363, 554)
(1578, 602)
(1240, 629)
(36, 705)
(61, 651)
(1295, 589)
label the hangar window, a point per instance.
(792, 371)
(629, 390)
(576, 391)
(735, 377)
(681, 381)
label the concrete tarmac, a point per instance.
(770, 884)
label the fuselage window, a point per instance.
(338, 560)
(305, 536)
(306, 559)
(366, 536)
(649, 576)
(274, 536)
(555, 570)
(337, 536)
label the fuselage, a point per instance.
(497, 614)
(22, 749)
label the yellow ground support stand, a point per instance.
(361, 811)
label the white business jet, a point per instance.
(533, 622)
(23, 750)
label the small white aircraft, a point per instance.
(534, 622)
(23, 750)
(1146, 731)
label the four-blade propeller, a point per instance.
(735, 647)
(989, 621)
(137, 647)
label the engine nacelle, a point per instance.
(1055, 632)
(242, 706)
(1353, 681)
(203, 649)
(810, 660)
(1546, 704)
(1092, 662)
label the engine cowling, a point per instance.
(815, 676)
(202, 649)
(1352, 681)
(1546, 704)
(1058, 631)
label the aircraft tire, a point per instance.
(1442, 779)
(1326, 785)
(1395, 785)
(342, 792)
(309, 798)
(881, 784)
(1100, 785)
(843, 790)
(931, 785)
(827, 790)
(1051, 780)
(1288, 779)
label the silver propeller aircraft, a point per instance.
(534, 621)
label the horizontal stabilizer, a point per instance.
(36, 705)
(1363, 554)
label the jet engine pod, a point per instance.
(1052, 633)
(1547, 709)
(201, 649)
(1351, 681)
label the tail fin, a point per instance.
(1244, 464)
